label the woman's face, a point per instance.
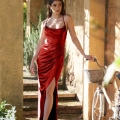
(56, 7)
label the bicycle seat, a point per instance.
(118, 75)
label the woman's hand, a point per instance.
(32, 68)
(89, 57)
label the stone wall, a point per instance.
(11, 54)
(90, 39)
(75, 63)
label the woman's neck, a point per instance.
(56, 16)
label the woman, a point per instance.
(50, 55)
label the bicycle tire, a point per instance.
(98, 106)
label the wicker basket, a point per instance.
(93, 76)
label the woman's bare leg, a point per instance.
(49, 100)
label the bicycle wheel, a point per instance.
(98, 105)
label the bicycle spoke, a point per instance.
(97, 106)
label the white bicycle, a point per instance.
(98, 104)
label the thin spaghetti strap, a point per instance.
(64, 21)
(46, 22)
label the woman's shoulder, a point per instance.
(43, 23)
(68, 17)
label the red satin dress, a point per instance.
(50, 62)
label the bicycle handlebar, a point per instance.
(100, 66)
(95, 59)
(103, 68)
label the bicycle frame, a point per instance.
(101, 90)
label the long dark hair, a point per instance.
(49, 12)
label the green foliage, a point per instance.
(24, 16)
(3, 110)
(31, 42)
(7, 111)
(117, 62)
(24, 11)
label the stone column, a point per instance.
(35, 9)
(94, 45)
(86, 100)
(75, 64)
(11, 54)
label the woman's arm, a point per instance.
(70, 27)
(40, 42)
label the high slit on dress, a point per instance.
(50, 61)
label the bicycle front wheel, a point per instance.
(98, 105)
